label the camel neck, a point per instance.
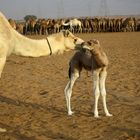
(24, 46)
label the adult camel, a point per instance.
(75, 25)
(13, 42)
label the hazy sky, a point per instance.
(17, 9)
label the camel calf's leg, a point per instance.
(103, 75)
(96, 91)
(68, 91)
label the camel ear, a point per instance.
(96, 41)
(89, 43)
(82, 44)
(65, 33)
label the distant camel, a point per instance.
(12, 23)
(13, 42)
(20, 28)
(74, 24)
(92, 58)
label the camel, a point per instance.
(74, 24)
(43, 26)
(12, 23)
(131, 24)
(13, 42)
(118, 25)
(20, 28)
(86, 25)
(93, 58)
(58, 25)
(128, 24)
(32, 23)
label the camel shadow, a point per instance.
(51, 107)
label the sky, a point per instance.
(18, 9)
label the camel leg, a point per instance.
(96, 91)
(103, 75)
(68, 91)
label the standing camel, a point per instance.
(75, 25)
(13, 42)
(91, 57)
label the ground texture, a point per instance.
(32, 102)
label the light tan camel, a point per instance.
(91, 57)
(13, 42)
(73, 23)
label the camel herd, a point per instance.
(76, 25)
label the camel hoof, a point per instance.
(96, 116)
(109, 115)
(70, 113)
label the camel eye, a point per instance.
(89, 43)
(75, 40)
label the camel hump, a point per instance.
(2, 15)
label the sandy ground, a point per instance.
(32, 102)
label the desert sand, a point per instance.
(32, 101)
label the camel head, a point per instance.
(70, 40)
(92, 45)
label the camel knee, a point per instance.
(67, 88)
(103, 93)
(68, 94)
(97, 94)
(76, 75)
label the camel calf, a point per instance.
(93, 58)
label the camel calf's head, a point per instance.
(93, 46)
(70, 40)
